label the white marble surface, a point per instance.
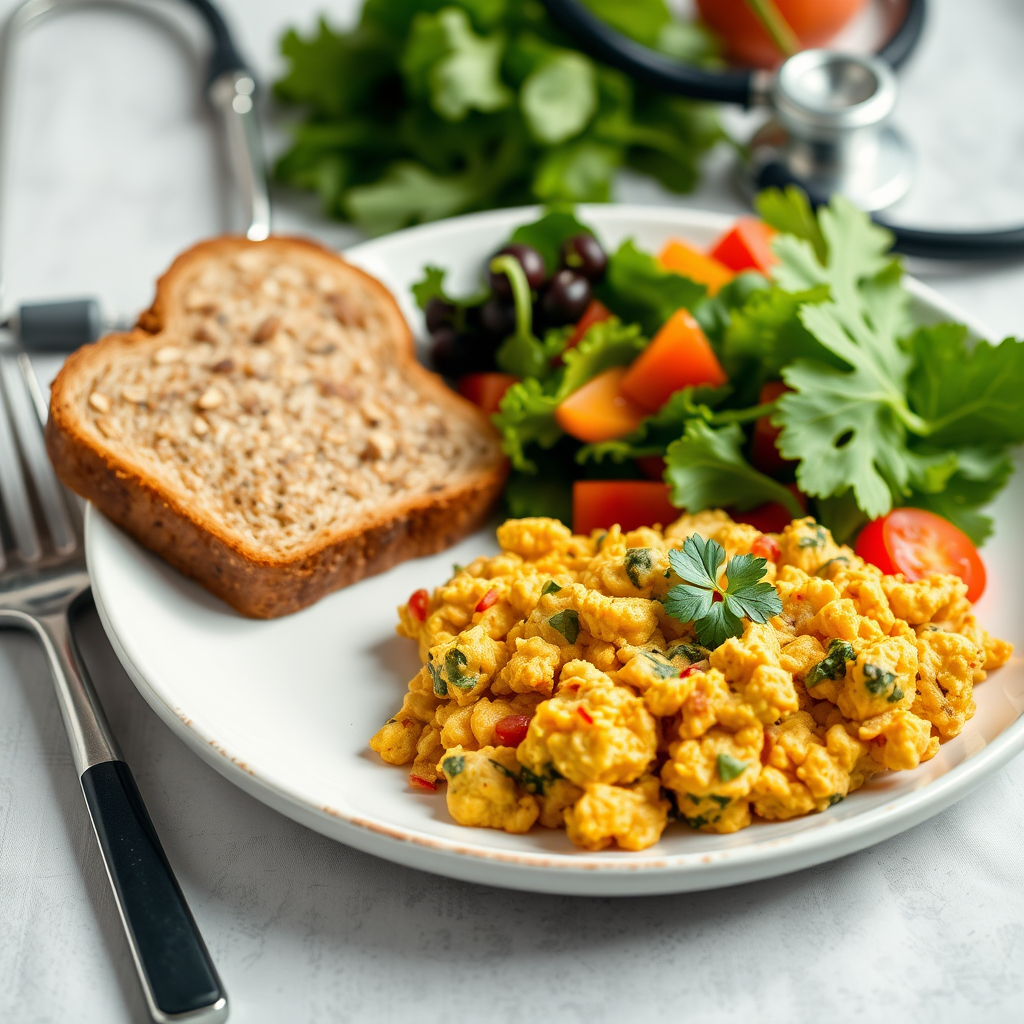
(115, 171)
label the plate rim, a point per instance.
(628, 873)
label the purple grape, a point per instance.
(583, 253)
(438, 314)
(498, 318)
(566, 298)
(529, 259)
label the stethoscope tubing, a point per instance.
(230, 88)
(748, 88)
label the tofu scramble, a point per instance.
(557, 690)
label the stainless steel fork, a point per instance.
(42, 578)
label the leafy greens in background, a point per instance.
(428, 108)
(878, 414)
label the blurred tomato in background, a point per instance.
(815, 22)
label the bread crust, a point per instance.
(257, 583)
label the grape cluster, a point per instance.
(465, 339)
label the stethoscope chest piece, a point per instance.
(830, 133)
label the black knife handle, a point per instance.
(179, 979)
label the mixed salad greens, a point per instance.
(806, 384)
(428, 108)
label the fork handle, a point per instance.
(178, 977)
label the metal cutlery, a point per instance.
(42, 578)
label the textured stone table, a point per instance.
(115, 171)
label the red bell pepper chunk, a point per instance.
(595, 313)
(600, 504)
(486, 389)
(747, 245)
(419, 604)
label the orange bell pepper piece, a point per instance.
(678, 356)
(598, 411)
(687, 261)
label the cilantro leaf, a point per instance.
(833, 665)
(717, 613)
(459, 71)
(856, 251)
(408, 193)
(559, 97)
(848, 429)
(486, 98)
(980, 475)
(698, 562)
(567, 622)
(729, 767)
(790, 212)
(745, 595)
(690, 604)
(968, 394)
(706, 469)
(454, 662)
(639, 289)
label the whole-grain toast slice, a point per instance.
(267, 429)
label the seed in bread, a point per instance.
(267, 429)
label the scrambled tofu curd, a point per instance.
(557, 690)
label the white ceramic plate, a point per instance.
(284, 708)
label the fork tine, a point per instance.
(32, 383)
(24, 412)
(13, 491)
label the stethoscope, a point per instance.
(230, 90)
(829, 132)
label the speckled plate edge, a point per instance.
(584, 874)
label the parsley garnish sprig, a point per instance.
(717, 612)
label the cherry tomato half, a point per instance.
(915, 542)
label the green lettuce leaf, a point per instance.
(431, 286)
(657, 432)
(639, 289)
(706, 469)
(527, 412)
(606, 344)
(526, 416)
